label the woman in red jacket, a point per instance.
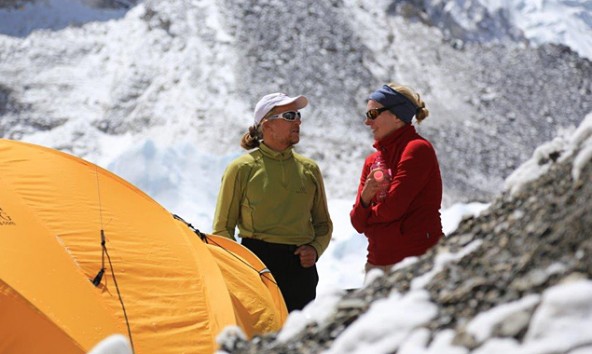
(398, 202)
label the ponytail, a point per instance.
(421, 112)
(250, 139)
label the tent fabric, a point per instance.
(248, 257)
(44, 298)
(17, 316)
(177, 291)
(246, 285)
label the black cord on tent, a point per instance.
(97, 279)
(201, 235)
(205, 239)
(129, 330)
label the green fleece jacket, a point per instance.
(277, 197)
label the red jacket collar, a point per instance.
(394, 138)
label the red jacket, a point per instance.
(408, 222)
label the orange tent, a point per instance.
(65, 222)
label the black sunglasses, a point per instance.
(292, 115)
(375, 112)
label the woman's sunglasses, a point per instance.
(374, 113)
(291, 116)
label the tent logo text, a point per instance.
(5, 219)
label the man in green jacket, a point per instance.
(277, 199)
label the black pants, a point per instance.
(297, 284)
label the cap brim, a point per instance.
(300, 101)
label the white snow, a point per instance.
(114, 344)
(386, 324)
(582, 140)
(483, 326)
(545, 21)
(563, 146)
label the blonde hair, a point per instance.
(422, 112)
(253, 137)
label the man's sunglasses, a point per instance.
(292, 115)
(374, 113)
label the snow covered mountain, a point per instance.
(549, 21)
(181, 77)
(160, 92)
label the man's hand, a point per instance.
(307, 254)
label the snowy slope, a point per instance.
(551, 21)
(539, 21)
(167, 75)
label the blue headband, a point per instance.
(400, 105)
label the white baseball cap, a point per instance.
(267, 103)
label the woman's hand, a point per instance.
(370, 189)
